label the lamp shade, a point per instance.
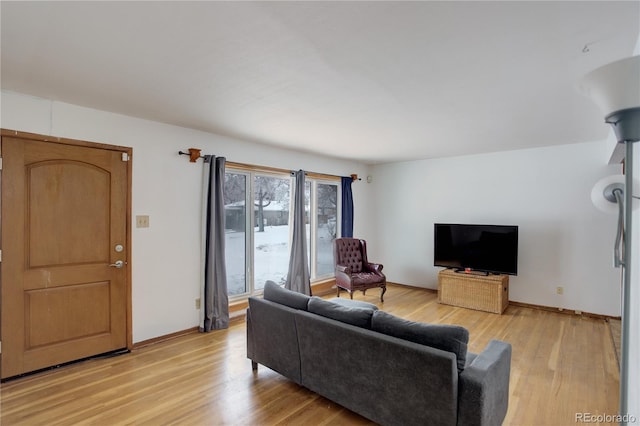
(615, 88)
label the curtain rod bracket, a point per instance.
(193, 154)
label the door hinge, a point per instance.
(125, 156)
(0, 255)
(0, 163)
(0, 346)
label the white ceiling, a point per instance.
(370, 81)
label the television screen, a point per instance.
(486, 248)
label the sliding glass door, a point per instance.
(258, 237)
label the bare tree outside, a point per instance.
(266, 190)
(328, 207)
(327, 211)
(234, 188)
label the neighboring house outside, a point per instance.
(275, 213)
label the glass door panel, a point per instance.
(271, 197)
(235, 210)
(327, 214)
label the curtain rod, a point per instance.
(195, 153)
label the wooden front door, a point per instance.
(64, 229)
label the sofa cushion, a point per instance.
(357, 316)
(350, 303)
(450, 338)
(283, 296)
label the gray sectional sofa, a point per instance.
(389, 370)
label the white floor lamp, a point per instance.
(615, 88)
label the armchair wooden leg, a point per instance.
(384, 289)
(338, 291)
(351, 294)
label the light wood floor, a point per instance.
(561, 365)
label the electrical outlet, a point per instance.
(142, 221)
(559, 290)
(198, 303)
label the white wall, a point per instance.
(563, 240)
(166, 256)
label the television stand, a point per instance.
(470, 272)
(489, 293)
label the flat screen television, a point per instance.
(486, 248)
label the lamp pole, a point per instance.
(616, 87)
(626, 283)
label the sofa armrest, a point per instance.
(272, 337)
(483, 386)
(343, 276)
(343, 269)
(374, 267)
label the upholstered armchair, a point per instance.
(353, 270)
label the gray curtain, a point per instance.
(298, 278)
(215, 309)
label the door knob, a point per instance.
(119, 264)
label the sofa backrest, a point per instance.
(451, 338)
(283, 296)
(354, 315)
(386, 379)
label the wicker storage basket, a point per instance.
(484, 293)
